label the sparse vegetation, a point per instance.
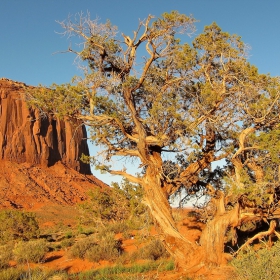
(30, 251)
(118, 209)
(32, 274)
(154, 250)
(259, 264)
(6, 254)
(96, 248)
(17, 225)
(12, 273)
(124, 272)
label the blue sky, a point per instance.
(28, 38)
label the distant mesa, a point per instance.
(25, 137)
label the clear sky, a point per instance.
(28, 38)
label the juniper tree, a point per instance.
(151, 94)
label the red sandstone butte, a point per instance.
(39, 157)
(26, 137)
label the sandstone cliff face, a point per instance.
(39, 158)
(25, 137)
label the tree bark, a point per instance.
(186, 254)
(212, 237)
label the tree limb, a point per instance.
(130, 177)
(259, 236)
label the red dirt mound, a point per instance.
(23, 185)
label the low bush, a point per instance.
(68, 234)
(30, 251)
(12, 273)
(101, 247)
(258, 265)
(120, 227)
(6, 254)
(16, 225)
(107, 248)
(152, 251)
(33, 274)
(42, 274)
(79, 249)
(120, 208)
(67, 243)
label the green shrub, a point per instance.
(67, 243)
(6, 254)
(42, 274)
(12, 274)
(30, 251)
(68, 234)
(258, 265)
(79, 249)
(16, 225)
(102, 247)
(152, 251)
(120, 204)
(107, 248)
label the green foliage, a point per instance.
(101, 247)
(20, 273)
(154, 250)
(191, 103)
(30, 251)
(6, 255)
(17, 225)
(107, 248)
(68, 234)
(133, 195)
(60, 100)
(79, 249)
(119, 208)
(258, 265)
(12, 273)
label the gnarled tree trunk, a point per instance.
(187, 254)
(212, 238)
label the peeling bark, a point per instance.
(212, 237)
(186, 254)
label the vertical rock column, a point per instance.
(26, 137)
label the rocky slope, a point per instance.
(39, 157)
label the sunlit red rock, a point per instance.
(40, 157)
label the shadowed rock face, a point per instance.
(25, 137)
